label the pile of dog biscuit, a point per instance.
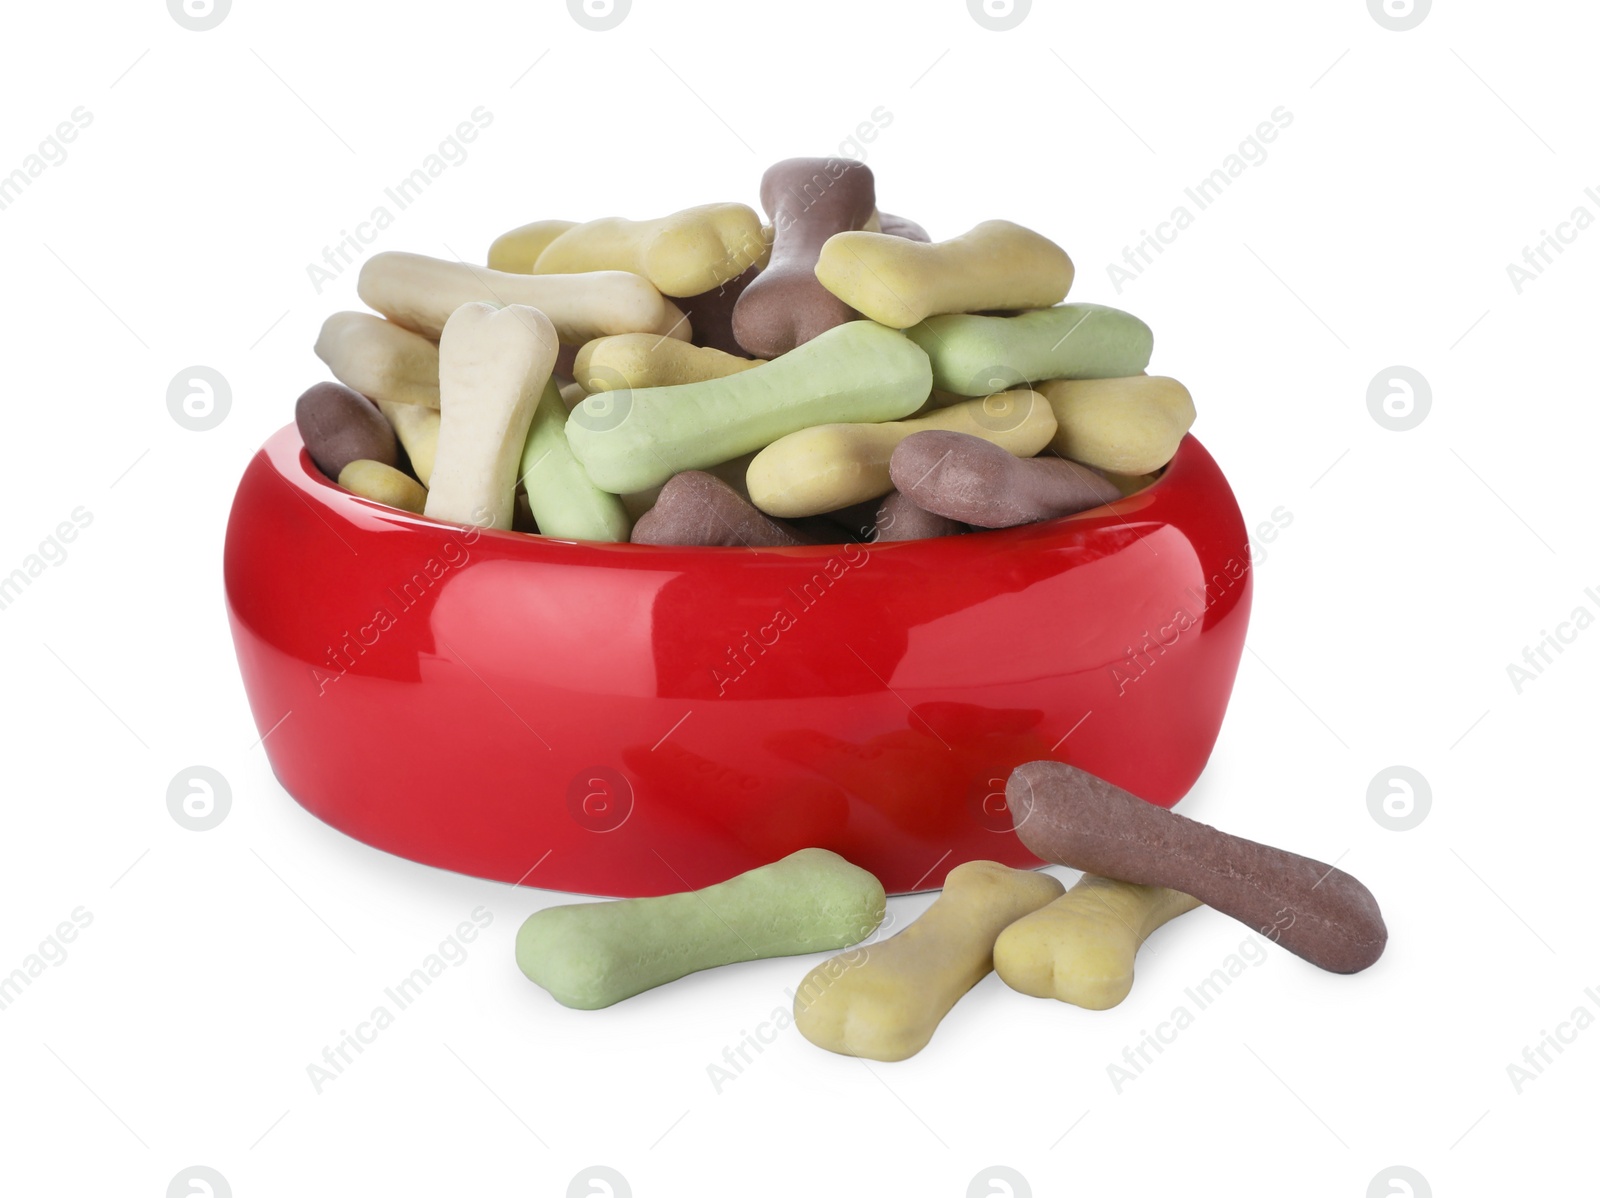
(825, 374)
(1143, 866)
(713, 378)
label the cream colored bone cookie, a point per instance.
(884, 1001)
(1126, 426)
(898, 282)
(1080, 948)
(420, 293)
(493, 365)
(830, 466)
(386, 363)
(683, 254)
(645, 360)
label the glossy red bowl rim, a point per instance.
(313, 483)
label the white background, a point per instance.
(1418, 565)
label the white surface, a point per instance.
(1418, 565)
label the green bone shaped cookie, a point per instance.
(590, 955)
(856, 372)
(980, 355)
(563, 500)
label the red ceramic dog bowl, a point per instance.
(632, 720)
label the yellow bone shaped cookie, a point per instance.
(884, 1001)
(898, 282)
(1080, 948)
